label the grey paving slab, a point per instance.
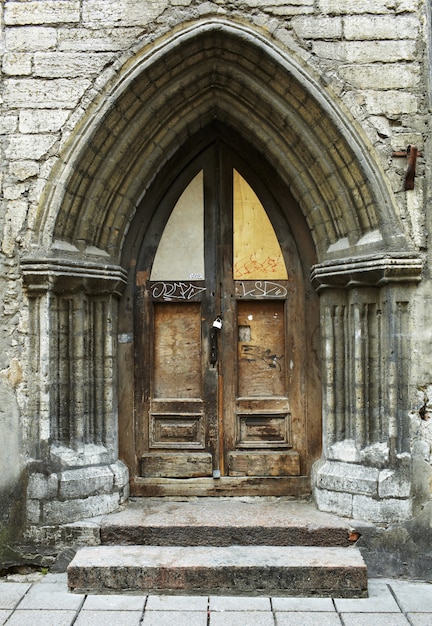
(175, 618)
(413, 597)
(303, 604)
(374, 619)
(243, 618)
(239, 603)
(4, 614)
(11, 594)
(42, 618)
(51, 596)
(299, 618)
(109, 618)
(380, 600)
(177, 603)
(420, 619)
(114, 603)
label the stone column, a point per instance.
(365, 470)
(74, 471)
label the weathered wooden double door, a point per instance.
(220, 322)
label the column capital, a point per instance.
(367, 271)
(72, 274)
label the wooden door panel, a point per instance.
(259, 431)
(262, 407)
(176, 414)
(261, 348)
(176, 465)
(264, 463)
(177, 429)
(177, 350)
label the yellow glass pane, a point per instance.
(257, 253)
(180, 254)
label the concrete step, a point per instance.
(233, 570)
(224, 522)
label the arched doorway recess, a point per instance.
(226, 330)
(365, 267)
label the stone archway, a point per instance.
(164, 95)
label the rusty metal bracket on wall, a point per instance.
(411, 153)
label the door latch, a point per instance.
(217, 325)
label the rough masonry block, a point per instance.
(22, 170)
(97, 39)
(69, 64)
(41, 120)
(41, 93)
(363, 6)
(392, 484)
(128, 12)
(31, 147)
(334, 502)
(42, 487)
(30, 38)
(366, 51)
(85, 481)
(388, 76)
(356, 479)
(380, 27)
(8, 124)
(319, 28)
(33, 511)
(41, 12)
(391, 103)
(379, 511)
(56, 512)
(17, 64)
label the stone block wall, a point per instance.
(59, 60)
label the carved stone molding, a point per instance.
(367, 271)
(69, 275)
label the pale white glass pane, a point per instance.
(180, 254)
(257, 253)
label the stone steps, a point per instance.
(209, 546)
(224, 522)
(261, 570)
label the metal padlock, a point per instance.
(217, 323)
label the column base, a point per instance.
(363, 493)
(73, 494)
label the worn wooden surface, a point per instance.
(263, 463)
(225, 486)
(249, 391)
(176, 464)
(177, 350)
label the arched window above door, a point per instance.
(256, 250)
(180, 254)
(257, 254)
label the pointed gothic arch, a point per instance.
(213, 70)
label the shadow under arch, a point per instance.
(229, 72)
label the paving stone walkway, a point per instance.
(47, 602)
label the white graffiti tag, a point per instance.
(262, 288)
(175, 291)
